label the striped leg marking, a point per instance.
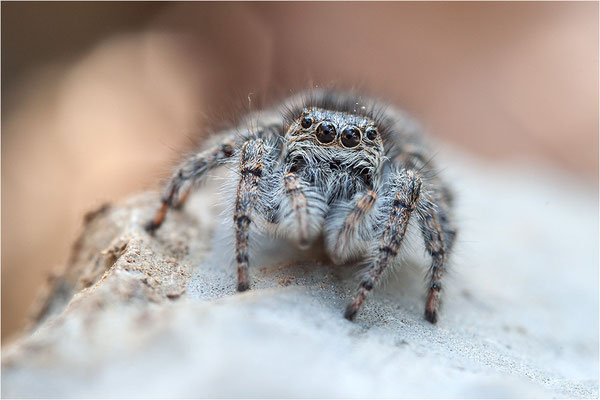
(405, 200)
(250, 168)
(439, 234)
(188, 173)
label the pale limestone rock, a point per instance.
(141, 316)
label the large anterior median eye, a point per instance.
(350, 136)
(326, 132)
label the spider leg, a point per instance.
(299, 205)
(407, 189)
(251, 169)
(347, 238)
(439, 234)
(302, 211)
(189, 172)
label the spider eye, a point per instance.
(350, 136)
(371, 133)
(306, 121)
(326, 132)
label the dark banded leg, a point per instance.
(407, 188)
(185, 194)
(439, 234)
(189, 173)
(361, 208)
(250, 168)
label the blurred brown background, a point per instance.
(98, 99)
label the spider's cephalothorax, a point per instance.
(330, 165)
(338, 152)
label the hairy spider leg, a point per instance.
(250, 169)
(190, 172)
(437, 227)
(299, 207)
(439, 234)
(407, 188)
(348, 233)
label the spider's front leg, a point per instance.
(190, 172)
(250, 170)
(406, 187)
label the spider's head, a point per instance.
(343, 138)
(335, 129)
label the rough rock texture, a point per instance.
(137, 316)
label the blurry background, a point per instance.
(99, 99)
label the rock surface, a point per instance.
(141, 316)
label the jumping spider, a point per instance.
(332, 166)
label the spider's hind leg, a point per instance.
(439, 234)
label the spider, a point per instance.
(334, 166)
